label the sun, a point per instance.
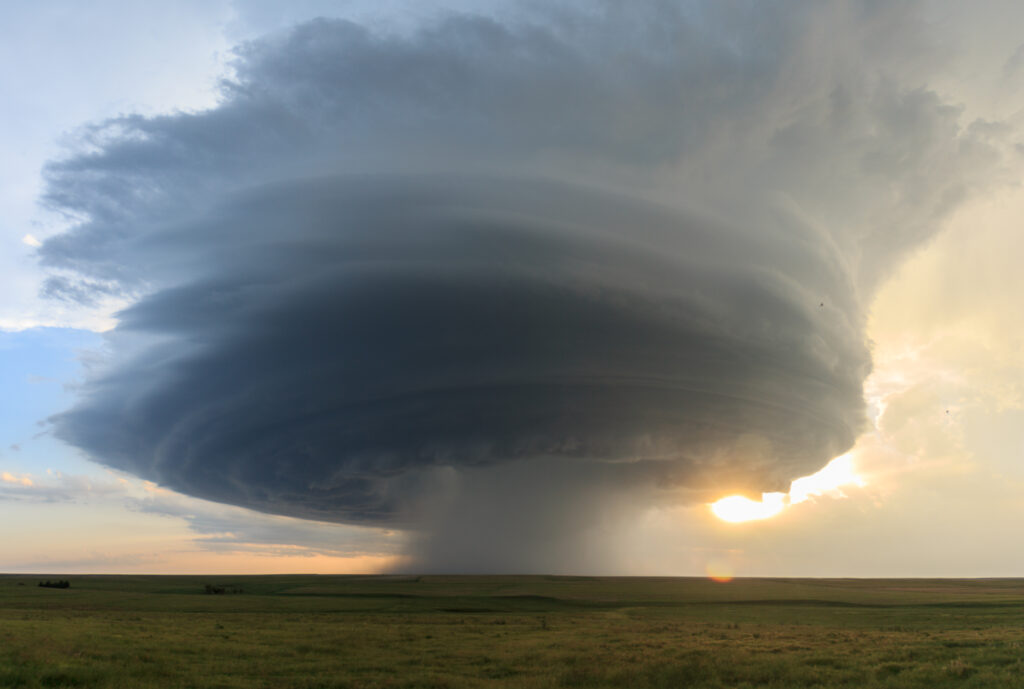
(737, 508)
(829, 480)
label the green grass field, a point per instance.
(435, 631)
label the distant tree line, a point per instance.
(214, 589)
(61, 584)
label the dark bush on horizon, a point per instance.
(60, 584)
(213, 589)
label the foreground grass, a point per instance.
(319, 632)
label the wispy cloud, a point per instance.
(224, 528)
(22, 480)
(56, 487)
(215, 527)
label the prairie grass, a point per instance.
(320, 632)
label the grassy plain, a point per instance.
(319, 632)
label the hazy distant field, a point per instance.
(319, 631)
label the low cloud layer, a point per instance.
(498, 282)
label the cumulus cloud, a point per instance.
(493, 279)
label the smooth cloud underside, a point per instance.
(386, 271)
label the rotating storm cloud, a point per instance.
(494, 279)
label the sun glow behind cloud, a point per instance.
(829, 481)
(738, 508)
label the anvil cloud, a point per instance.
(508, 274)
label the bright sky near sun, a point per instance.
(923, 491)
(830, 480)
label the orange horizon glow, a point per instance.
(827, 481)
(719, 572)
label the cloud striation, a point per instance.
(496, 281)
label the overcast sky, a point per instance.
(511, 287)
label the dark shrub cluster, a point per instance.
(213, 589)
(60, 584)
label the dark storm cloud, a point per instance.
(456, 322)
(397, 280)
(85, 292)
